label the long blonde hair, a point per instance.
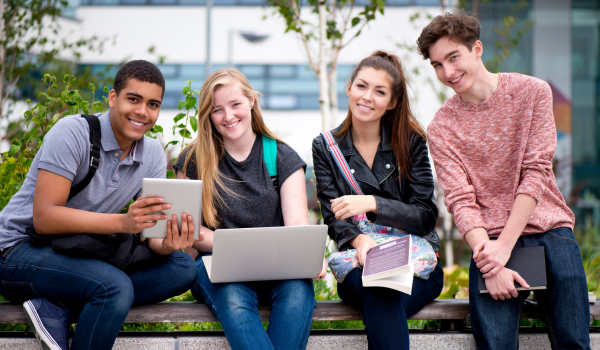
(208, 144)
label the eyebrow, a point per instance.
(445, 57)
(141, 97)
(378, 86)
(228, 102)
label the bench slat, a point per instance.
(326, 310)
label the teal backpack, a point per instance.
(270, 155)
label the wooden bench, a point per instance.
(452, 312)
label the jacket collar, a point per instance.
(383, 166)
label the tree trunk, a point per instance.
(324, 101)
(334, 97)
(2, 70)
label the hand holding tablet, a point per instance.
(184, 196)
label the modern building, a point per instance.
(555, 40)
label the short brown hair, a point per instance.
(462, 28)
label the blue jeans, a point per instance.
(236, 306)
(386, 310)
(564, 302)
(99, 293)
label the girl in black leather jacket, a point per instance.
(386, 150)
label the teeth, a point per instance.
(136, 123)
(364, 107)
(232, 125)
(455, 80)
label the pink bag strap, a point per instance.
(335, 151)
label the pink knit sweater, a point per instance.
(487, 153)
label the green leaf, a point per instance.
(180, 105)
(190, 102)
(43, 94)
(185, 133)
(197, 92)
(157, 128)
(106, 89)
(170, 143)
(178, 117)
(194, 124)
(186, 89)
(66, 78)
(14, 148)
(91, 87)
(355, 21)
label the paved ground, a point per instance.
(435, 341)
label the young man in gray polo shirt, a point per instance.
(98, 295)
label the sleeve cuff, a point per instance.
(531, 190)
(56, 170)
(467, 223)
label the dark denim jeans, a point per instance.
(386, 310)
(236, 306)
(99, 293)
(564, 302)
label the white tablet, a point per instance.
(185, 196)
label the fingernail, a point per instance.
(160, 199)
(168, 206)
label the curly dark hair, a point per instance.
(462, 27)
(140, 70)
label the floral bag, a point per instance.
(342, 262)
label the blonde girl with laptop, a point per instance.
(238, 192)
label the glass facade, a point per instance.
(285, 87)
(559, 27)
(236, 2)
(586, 108)
(492, 16)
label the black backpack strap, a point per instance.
(95, 138)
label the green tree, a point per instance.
(30, 39)
(337, 25)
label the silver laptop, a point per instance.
(185, 196)
(266, 253)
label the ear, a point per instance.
(478, 48)
(348, 88)
(112, 98)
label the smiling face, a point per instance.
(370, 95)
(134, 110)
(455, 65)
(231, 114)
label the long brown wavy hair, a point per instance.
(208, 144)
(400, 118)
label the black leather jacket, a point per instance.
(403, 204)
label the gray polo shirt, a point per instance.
(66, 152)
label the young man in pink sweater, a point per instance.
(492, 145)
